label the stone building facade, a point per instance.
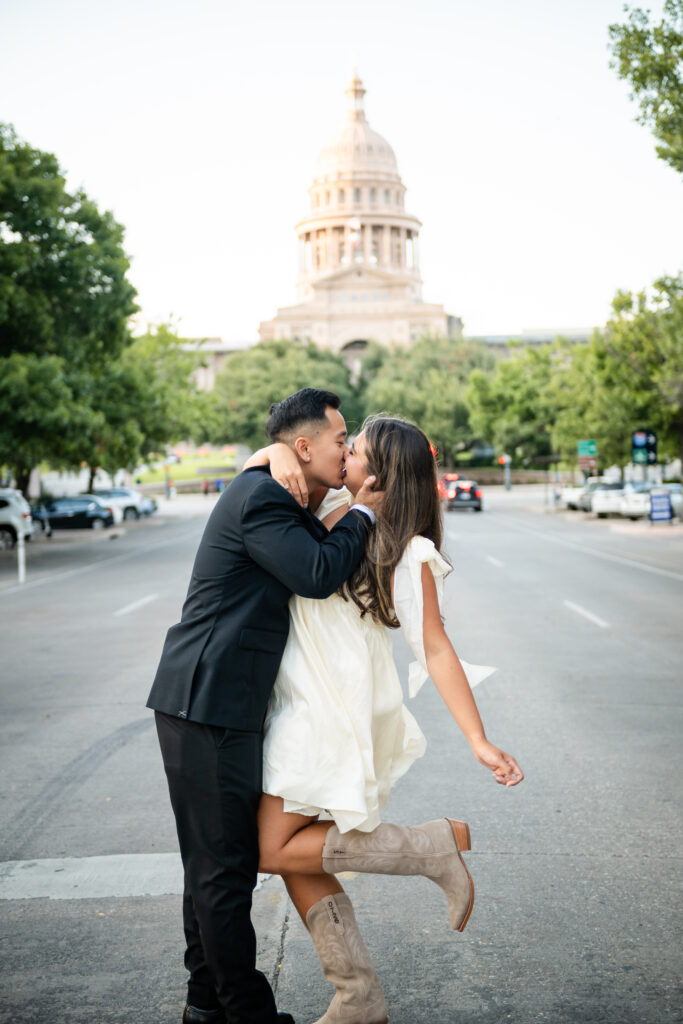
(359, 271)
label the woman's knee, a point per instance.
(269, 859)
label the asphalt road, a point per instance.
(577, 871)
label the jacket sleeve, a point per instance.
(276, 537)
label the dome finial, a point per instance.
(356, 92)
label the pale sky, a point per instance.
(198, 124)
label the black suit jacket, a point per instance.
(259, 546)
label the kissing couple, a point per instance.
(277, 701)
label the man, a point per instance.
(212, 686)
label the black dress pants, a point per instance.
(214, 778)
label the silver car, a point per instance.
(15, 518)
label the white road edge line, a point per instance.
(586, 614)
(82, 878)
(495, 561)
(135, 605)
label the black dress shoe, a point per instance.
(285, 1018)
(193, 1015)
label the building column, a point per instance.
(367, 243)
(386, 245)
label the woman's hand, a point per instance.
(286, 469)
(505, 769)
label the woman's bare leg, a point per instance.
(289, 844)
(306, 890)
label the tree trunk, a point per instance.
(21, 476)
(91, 479)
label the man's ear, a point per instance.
(303, 449)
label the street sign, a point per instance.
(660, 506)
(587, 462)
(587, 449)
(644, 447)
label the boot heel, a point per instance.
(461, 834)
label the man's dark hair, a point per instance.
(307, 406)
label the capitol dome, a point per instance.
(357, 147)
(359, 275)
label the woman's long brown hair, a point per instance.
(399, 454)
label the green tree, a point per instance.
(64, 296)
(40, 414)
(512, 407)
(629, 377)
(650, 57)
(426, 383)
(252, 380)
(148, 400)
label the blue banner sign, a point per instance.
(660, 506)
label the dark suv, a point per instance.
(459, 493)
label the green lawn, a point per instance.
(191, 467)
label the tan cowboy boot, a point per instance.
(346, 963)
(432, 850)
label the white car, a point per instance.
(15, 518)
(606, 500)
(635, 502)
(569, 496)
(130, 502)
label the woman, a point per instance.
(337, 735)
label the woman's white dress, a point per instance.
(337, 734)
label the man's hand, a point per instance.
(366, 496)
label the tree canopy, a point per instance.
(252, 380)
(649, 56)
(427, 383)
(75, 386)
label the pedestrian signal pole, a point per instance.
(505, 461)
(21, 558)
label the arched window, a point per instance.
(342, 196)
(373, 195)
(356, 195)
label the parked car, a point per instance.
(586, 497)
(606, 500)
(15, 518)
(570, 496)
(149, 506)
(73, 513)
(676, 492)
(636, 501)
(463, 494)
(117, 513)
(130, 501)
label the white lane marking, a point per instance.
(586, 614)
(495, 561)
(85, 878)
(53, 577)
(595, 553)
(135, 605)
